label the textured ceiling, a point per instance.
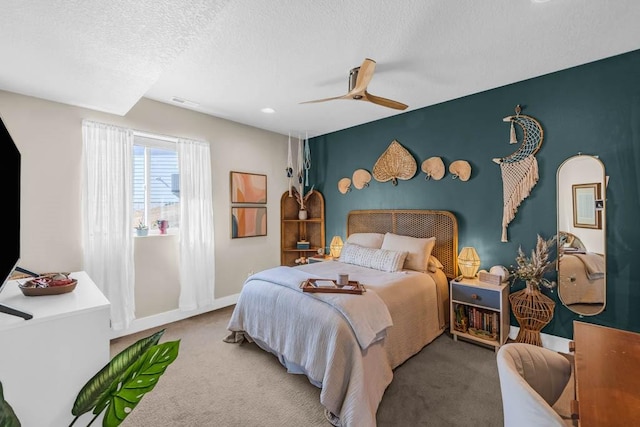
(232, 58)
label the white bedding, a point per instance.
(579, 284)
(310, 336)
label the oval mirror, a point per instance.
(582, 273)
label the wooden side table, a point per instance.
(479, 311)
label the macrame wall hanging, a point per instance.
(520, 169)
(289, 168)
(300, 170)
(307, 160)
(303, 164)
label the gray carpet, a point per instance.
(213, 383)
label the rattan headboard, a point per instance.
(442, 225)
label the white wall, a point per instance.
(49, 137)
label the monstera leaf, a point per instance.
(7, 416)
(140, 379)
(121, 384)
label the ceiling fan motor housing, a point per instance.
(353, 77)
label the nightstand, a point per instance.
(479, 311)
(320, 258)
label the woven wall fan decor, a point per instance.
(460, 169)
(394, 164)
(344, 185)
(361, 178)
(519, 169)
(433, 167)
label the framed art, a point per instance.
(586, 212)
(248, 222)
(248, 187)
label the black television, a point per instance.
(10, 181)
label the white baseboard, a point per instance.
(551, 342)
(138, 325)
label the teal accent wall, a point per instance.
(592, 109)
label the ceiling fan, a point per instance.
(359, 79)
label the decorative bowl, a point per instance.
(48, 284)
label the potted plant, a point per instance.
(142, 229)
(532, 309)
(302, 212)
(162, 225)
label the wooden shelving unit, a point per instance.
(293, 230)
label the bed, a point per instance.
(581, 278)
(348, 345)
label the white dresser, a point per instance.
(45, 361)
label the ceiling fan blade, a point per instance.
(390, 103)
(365, 73)
(325, 99)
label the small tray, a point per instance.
(308, 286)
(30, 289)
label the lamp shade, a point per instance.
(336, 246)
(468, 262)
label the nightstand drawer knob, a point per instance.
(474, 296)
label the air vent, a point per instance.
(184, 102)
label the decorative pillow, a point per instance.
(419, 249)
(379, 259)
(368, 240)
(434, 264)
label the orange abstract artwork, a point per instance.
(248, 222)
(248, 188)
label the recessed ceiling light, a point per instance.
(268, 110)
(539, 1)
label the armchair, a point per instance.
(532, 379)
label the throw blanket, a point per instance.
(593, 264)
(367, 314)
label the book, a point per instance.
(324, 284)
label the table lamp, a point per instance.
(336, 246)
(468, 262)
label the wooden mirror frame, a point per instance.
(582, 239)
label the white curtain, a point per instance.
(107, 236)
(197, 271)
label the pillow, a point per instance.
(368, 240)
(419, 249)
(378, 259)
(434, 264)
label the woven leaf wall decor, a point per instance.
(395, 163)
(361, 178)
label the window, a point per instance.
(156, 181)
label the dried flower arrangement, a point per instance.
(532, 269)
(300, 198)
